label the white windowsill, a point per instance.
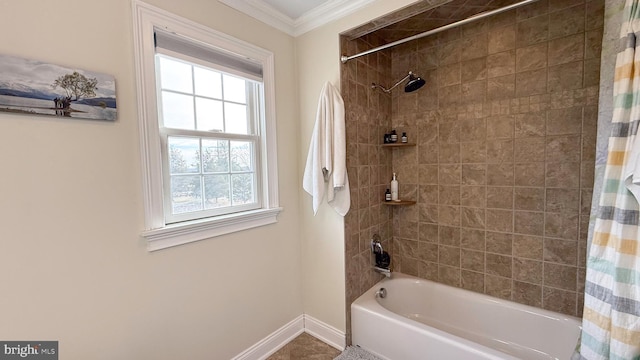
(186, 232)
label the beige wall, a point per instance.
(73, 265)
(323, 250)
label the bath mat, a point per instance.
(356, 353)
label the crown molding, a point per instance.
(323, 14)
(263, 12)
(326, 13)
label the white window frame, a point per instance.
(157, 232)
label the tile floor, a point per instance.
(305, 347)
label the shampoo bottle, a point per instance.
(394, 188)
(394, 136)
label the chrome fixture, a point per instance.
(385, 272)
(345, 58)
(382, 293)
(414, 83)
(376, 245)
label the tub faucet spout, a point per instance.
(383, 271)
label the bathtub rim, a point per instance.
(370, 294)
(368, 303)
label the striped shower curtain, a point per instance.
(611, 320)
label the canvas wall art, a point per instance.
(34, 87)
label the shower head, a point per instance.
(414, 83)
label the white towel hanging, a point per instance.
(327, 158)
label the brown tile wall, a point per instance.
(368, 117)
(503, 168)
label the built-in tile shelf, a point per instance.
(399, 203)
(398, 144)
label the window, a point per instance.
(207, 130)
(208, 126)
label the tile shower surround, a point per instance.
(503, 168)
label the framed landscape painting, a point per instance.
(34, 87)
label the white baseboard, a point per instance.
(279, 338)
(269, 345)
(324, 332)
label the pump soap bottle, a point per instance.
(394, 188)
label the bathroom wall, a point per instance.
(74, 267)
(332, 276)
(503, 168)
(368, 117)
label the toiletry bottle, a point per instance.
(394, 136)
(394, 188)
(404, 137)
(387, 195)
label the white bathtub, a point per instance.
(425, 320)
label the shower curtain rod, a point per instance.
(345, 58)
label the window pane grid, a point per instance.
(234, 93)
(208, 126)
(203, 96)
(194, 189)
